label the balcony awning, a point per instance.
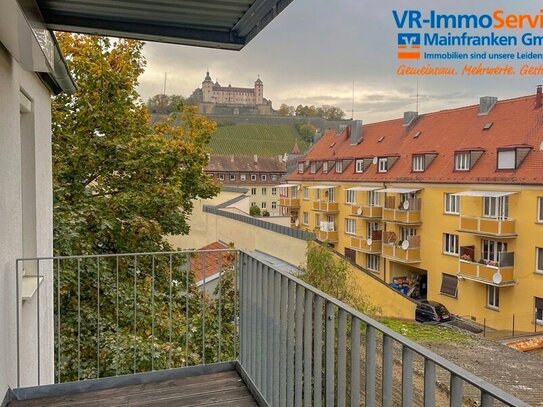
(286, 185)
(489, 194)
(399, 190)
(363, 188)
(323, 186)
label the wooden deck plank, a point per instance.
(205, 390)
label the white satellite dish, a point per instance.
(369, 242)
(375, 160)
(297, 222)
(405, 245)
(541, 146)
(299, 187)
(497, 278)
(359, 211)
(405, 205)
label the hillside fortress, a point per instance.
(213, 98)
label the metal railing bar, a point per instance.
(298, 353)
(342, 359)
(330, 354)
(386, 383)
(370, 366)
(290, 343)
(456, 391)
(486, 399)
(317, 345)
(355, 362)
(260, 356)
(308, 352)
(283, 342)
(407, 377)
(276, 326)
(266, 328)
(429, 383)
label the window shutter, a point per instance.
(449, 284)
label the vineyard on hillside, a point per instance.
(261, 139)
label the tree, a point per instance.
(164, 104)
(333, 113)
(306, 131)
(254, 210)
(285, 110)
(120, 187)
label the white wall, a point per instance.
(25, 230)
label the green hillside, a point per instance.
(261, 139)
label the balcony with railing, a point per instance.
(137, 328)
(404, 251)
(327, 232)
(402, 211)
(289, 202)
(370, 245)
(366, 211)
(499, 273)
(325, 206)
(486, 226)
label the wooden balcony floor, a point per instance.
(217, 389)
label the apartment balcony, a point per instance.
(365, 211)
(366, 245)
(325, 206)
(504, 228)
(499, 273)
(289, 202)
(327, 235)
(264, 337)
(401, 216)
(407, 251)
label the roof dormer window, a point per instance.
(510, 158)
(418, 163)
(339, 167)
(382, 164)
(462, 161)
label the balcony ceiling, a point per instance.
(228, 24)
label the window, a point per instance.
(350, 196)
(382, 165)
(452, 204)
(306, 193)
(263, 177)
(370, 228)
(253, 191)
(406, 232)
(372, 262)
(264, 191)
(339, 167)
(313, 168)
(492, 250)
(305, 218)
(253, 177)
(350, 226)
(301, 168)
(274, 191)
(492, 296)
(253, 203)
(538, 310)
(359, 166)
(325, 167)
(373, 198)
(449, 285)
(243, 177)
(331, 194)
(506, 160)
(496, 207)
(274, 177)
(274, 205)
(263, 205)
(317, 219)
(221, 177)
(540, 209)
(461, 161)
(450, 244)
(539, 260)
(418, 163)
(232, 177)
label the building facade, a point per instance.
(259, 175)
(446, 206)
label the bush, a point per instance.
(254, 211)
(265, 213)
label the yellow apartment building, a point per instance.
(446, 206)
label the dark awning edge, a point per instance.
(60, 80)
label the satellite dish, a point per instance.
(541, 146)
(359, 211)
(299, 187)
(405, 205)
(405, 245)
(297, 222)
(375, 159)
(497, 278)
(369, 242)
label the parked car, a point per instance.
(431, 311)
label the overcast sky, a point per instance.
(313, 51)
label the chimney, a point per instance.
(255, 158)
(355, 131)
(538, 97)
(409, 117)
(486, 103)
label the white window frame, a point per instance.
(462, 161)
(253, 191)
(538, 312)
(496, 207)
(372, 262)
(300, 168)
(313, 168)
(274, 205)
(538, 258)
(264, 204)
(339, 166)
(221, 177)
(243, 177)
(371, 227)
(350, 197)
(382, 164)
(253, 177)
(264, 191)
(232, 177)
(507, 159)
(359, 166)
(418, 163)
(325, 167)
(350, 226)
(491, 249)
(450, 244)
(493, 297)
(306, 193)
(405, 232)
(305, 218)
(274, 177)
(540, 209)
(451, 204)
(373, 198)
(263, 177)
(274, 191)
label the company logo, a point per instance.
(408, 46)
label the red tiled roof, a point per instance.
(206, 264)
(515, 122)
(240, 163)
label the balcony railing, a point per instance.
(326, 235)
(366, 245)
(499, 273)
(293, 344)
(366, 211)
(325, 206)
(488, 226)
(401, 215)
(289, 202)
(407, 251)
